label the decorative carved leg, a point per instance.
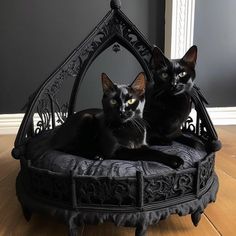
(73, 232)
(27, 213)
(196, 217)
(72, 226)
(141, 230)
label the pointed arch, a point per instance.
(114, 27)
(117, 29)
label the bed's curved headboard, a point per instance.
(115, 27)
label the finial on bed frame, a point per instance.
(115, 4)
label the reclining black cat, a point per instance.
(116, 132)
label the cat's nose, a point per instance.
(122, 110)
(124, 114)
(174, 82)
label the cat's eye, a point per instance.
(182, 74)
(164, 75)
(113, 101)
(131, 101)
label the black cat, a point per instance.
(116, 132)
(168, 101)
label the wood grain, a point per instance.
(219, 218)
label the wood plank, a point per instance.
(182, 226)
(226, 163)
(6, 142)
(107, 229)
(7, 165)
(226, 158)
(222, 214)
(173, 226)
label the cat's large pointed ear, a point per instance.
(139, 84)
(190, 56)
(159, 58)
(107, 84)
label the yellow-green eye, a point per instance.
(182, 74)
(131, 101)
(113, 101)
(164, 75)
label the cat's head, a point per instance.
(174, 76)
(122, 103)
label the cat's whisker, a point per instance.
(145, 123)
(136, 125)
(142, 121)
(139, 125)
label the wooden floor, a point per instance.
(219, 218)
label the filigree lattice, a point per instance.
(44, 112)
(103, 191)
(203, 131)
(189, 125)
(61, 113)
(206, 170)
(164, 187)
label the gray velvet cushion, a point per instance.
(42, 156)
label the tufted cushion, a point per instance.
(42, 156)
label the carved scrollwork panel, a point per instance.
(189, 125)
(105, 191)
(206, 170)
(203, 131)
(44, 121)
(61, 113)
(165, 187)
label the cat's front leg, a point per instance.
(147, 154)
(172, 161)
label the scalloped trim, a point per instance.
(80, 217)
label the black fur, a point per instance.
(118, 131)
(168, 101)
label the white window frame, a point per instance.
(179, 27)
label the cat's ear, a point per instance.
(190, 56)
(107, 84)
(159, 58)
(139, 84)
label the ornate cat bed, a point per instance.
(81, 191)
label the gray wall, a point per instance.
(121, 67)
(36, 36)
(215, 34)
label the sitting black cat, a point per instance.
(168, 102)
(116, 132)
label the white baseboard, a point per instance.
(10, 123)
(223, 115)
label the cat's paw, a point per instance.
(98, 158)
(176, 162)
